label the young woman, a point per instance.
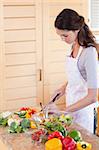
(81, 66)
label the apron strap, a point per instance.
(79, 53)
(77, 58)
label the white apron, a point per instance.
(76, 90)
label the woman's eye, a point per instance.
(64, 35)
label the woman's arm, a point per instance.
(87, 100)
(90, 64)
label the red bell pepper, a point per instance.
(24, 108)
(31, 111)
(56, 134)
(69, 143)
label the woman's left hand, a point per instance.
(51, 107)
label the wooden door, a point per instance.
(21, 53)
(32, 56)
(54, 49)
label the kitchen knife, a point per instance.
(52, 101)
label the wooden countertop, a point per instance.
(88, 137)
(22, 141)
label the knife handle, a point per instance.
(53, 100)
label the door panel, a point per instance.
(22, 31)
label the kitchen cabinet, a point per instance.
(32, 56)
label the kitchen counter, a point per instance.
(23, 141)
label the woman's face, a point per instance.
(68, 36)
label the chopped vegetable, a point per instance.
(40, 135)
(56, 126)
(66, 119)
(15, 128)
(3, 121)
(83, 146)
(33, 125)
(76, 135)
(25, 123)
(56, 134)
(53, 144)
(69, 143)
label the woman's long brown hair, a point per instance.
(69, 19)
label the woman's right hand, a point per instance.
(60, 91)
